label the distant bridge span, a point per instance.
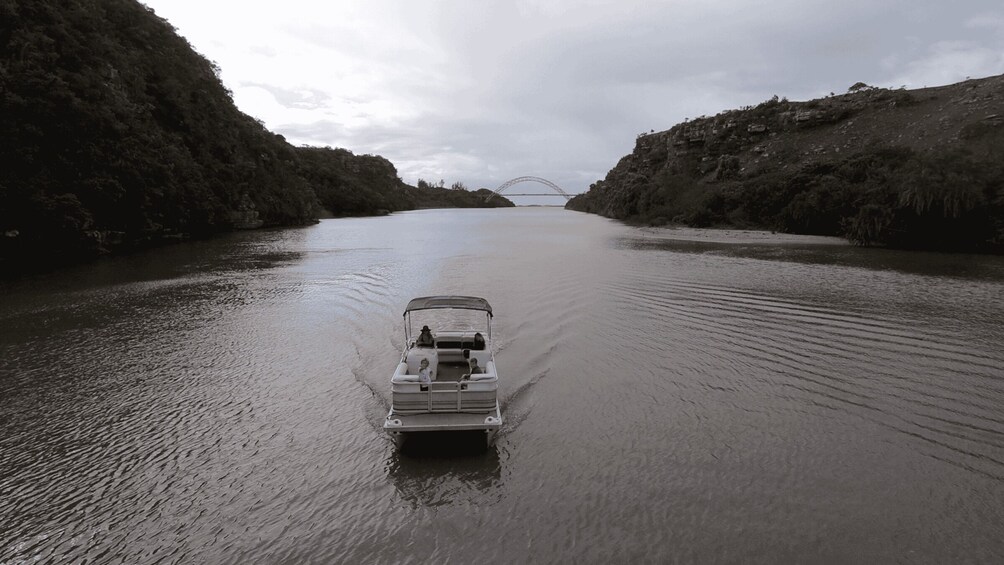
(557, 189)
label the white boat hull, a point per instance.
(398, 425)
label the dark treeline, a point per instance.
(116, 134)
(429, 195)
(910, 169)
(362, 185)
(352, 185)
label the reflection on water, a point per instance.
(446, 468)
(665, 399)
(930, 264)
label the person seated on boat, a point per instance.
(479, 341)
(425, 338)
(475, 368)
(424, 374)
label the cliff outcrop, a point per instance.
(909, 168)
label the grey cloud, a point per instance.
(510, 95)
(262, 50)
(301, 98)
(480, 155)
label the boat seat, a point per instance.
(401, 375)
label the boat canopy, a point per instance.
(445, 302)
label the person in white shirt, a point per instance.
(424, 373)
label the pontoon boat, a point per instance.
(445, 381)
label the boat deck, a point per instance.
(451, 371)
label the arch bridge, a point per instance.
(512, 182)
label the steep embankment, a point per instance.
(921, 168)
(116, 134)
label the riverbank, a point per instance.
(740, 236)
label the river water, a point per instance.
(668, 396)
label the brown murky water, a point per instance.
(710, 399)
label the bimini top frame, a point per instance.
(447, 302)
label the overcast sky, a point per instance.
(484, 91)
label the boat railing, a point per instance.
(446, 396)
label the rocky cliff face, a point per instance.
(748, 166)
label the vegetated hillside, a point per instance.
(362, 185)
(116, 134)
(353, 185)
(429, 195)
(906, 168)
